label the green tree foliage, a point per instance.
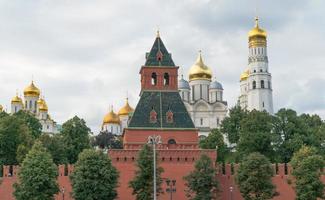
(306, 164)
(254, 178)
(37, 176)
(213, 141)
(31, 121)
(202, 183)
(231, 124)
(75, 135)
(55, 146)
(15, 140)
(256, 134)
(142, 183)
(107, 140)
(94, 177)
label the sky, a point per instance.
(86, 55)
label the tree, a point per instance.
(230, 126)
(31, 121)
(55, 146)
(202, 183)
(75, 135)
(306, 164)
(254, 178)
(37, 176)
(94, 177)
(213, 141)
(107, 140)
(291, 131)
(256, 135)
(142, 183)
(15, 140)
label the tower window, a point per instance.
(166, 79)
(269, 84)
(169, 117)
(171, 141)
(262, 84)
(254, 84)
(261, 70)
(263, 104)
(201, 121)
(154, 79)
(30, 104)
(218, 121)
(153, 116)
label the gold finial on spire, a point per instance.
(256, 21)
(158, 33)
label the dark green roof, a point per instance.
(161, 102)
(151, 57)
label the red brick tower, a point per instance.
(160, 111)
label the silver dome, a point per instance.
(183, 84)
(216, 85)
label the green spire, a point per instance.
(158, 55)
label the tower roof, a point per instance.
(158, 55)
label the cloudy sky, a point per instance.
(86, 55)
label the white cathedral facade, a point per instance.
(203, 98)
(36, 105)
(256, 80)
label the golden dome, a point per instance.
(125, 110)
(1, 108)
(257, 36)
(42, 106)
(16, 99)
(31, 90)
(111, 118)
(199, 70)
(244, 75)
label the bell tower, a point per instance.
(159, 72)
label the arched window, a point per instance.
(171, 141)
(30, 104)
(166, 79)
(254, 84)
(153, 116)
(154, 79)
(262, 84)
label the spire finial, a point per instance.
(256, 21)
(158, 33)
(199, 59)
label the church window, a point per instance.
(261, 70)
(48, 126)
(193, 93)
(171, 141)
(15, 109)
(169, 117)
(218, 121)
(30, 104)
(254, 51)
(159, 56)
(254, 84)
(254, 71)
(153, 116)
(263, 104)
(258, 50)
(200, 91)
(269, 84)
(262, 84)
(166, 79)
(35, 105)
(201, 121)
(26, 104)
(154, 79)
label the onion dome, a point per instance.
(183, 84)
(16, 99)
(125, 110)
(31, 90)
(1, 108)
(111, 118)
(244, 75)
(257, 36)
(216, 85)
(42, 106)
(199, 70)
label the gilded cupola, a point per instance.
(244, 75)
(41, 104)
(126, 109)
(257, 36)
(1, 108)
(111, 118)
(16, 99)
(199, 71)
(31, 90)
